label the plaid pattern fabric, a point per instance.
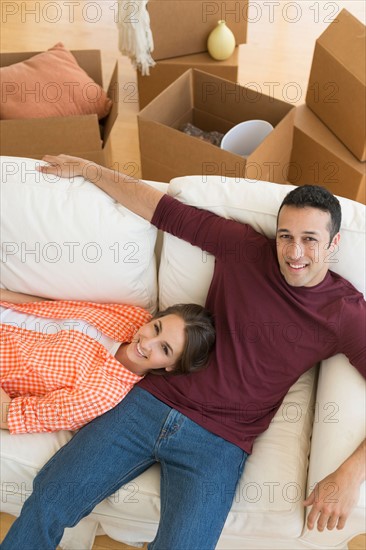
(62, 381)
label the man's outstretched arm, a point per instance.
(137, 196)
(334, 497)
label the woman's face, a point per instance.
(156, 345)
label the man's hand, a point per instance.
(64, 166)
(137, 196)
(5, 401)
(334, 497)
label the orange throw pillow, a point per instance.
(50, 84)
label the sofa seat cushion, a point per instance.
(269, 498)
(22, 456)
(268, 501)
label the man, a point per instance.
(201, 428)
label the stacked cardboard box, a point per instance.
(315, 143)
(319, 157)
(329, 144)
(337, 84)
(180, 30)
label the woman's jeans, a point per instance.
(199, 474)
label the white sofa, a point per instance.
(63, 239)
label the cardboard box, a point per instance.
(337, 84)
(168, 70)
(319, 158)
(211, 103)
(181, 27)
(83, 136)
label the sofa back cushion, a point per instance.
(69, 240)
(185, 271)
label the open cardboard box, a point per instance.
(300, 150)
(318, 157)
(211, 103)
(83, 136)
(337, 84)
(181, 27)
(168, 70)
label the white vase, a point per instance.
(221, 42)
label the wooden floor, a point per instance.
(277, 58)
(105, 543)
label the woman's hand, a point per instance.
(17, 297)
(5, 401)
(64, 166)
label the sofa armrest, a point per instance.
(339, 428)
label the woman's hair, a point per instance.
(200, 337)
(316, 197)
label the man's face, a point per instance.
(304, 250)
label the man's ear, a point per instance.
(333, 245)
(336, 239)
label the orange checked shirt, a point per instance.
(62, 381)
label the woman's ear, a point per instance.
(169, 369)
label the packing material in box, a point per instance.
(168, 70)
(80, 135)
(181, 27)
(211, 104)
(337, 84)
(319, 157)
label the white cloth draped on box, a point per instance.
(135, 36)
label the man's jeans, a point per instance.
(199, 473)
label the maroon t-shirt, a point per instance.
(267, 332)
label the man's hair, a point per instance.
(314, 196)
(199, 328)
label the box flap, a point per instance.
(91, 62)
(114, 96)
(273, 155)
(232, 102)
(314, 162)
(167, 71)
(310, 124)
(176, 100)
(345, 39)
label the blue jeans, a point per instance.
(199, 474)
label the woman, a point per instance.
(80, 359)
